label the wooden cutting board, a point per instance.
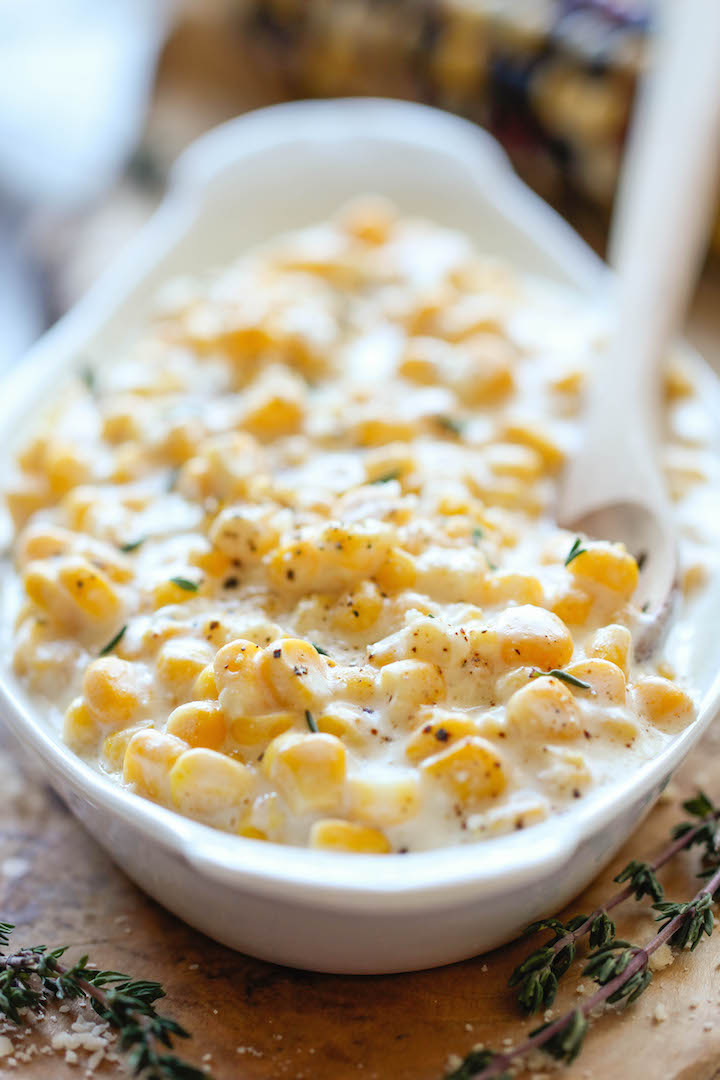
(256, 1020)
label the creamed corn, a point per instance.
(288, 564)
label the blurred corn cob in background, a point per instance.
(552, 79)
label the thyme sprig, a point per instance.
(620, 969)
(31, 977)
(538, 976)
(575, 550)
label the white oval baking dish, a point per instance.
(267, 171)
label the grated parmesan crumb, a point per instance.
(661, 958)
(6, 1047)
(660, 1014)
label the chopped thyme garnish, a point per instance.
(575, 550)
(386, 477)
(455, 427)
(310, 721)
(565, 676)
(319, 648)
(172, 479)
(133, 544)
(87, 375)
(113, 641)
(477, 535)
(185, 583)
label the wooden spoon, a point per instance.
(613, 489)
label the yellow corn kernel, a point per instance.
(251, 833)
(384, 797)
(268, 816)
(358, 684)
(308, 769)
(569, 381)
(438, 729)
(535, 437)
(519, 814)
(180, 661)
(693, 577)
(181, 440)
(149, 757)
(342, 721)
(424, 359)
(205, 687)
(90, 589)
(398, 571)
(43, 542)
(334, 834)
(379, 431)
(622, 728)
(296, 672)
(663, 703)
(28, 494)
(531, 635)
(609, 565)
(204, 783)
(114, 690)
(198, 723)
(31, 455)
(121, 422)
(65, 468)
(169, 592)
(244, 532)
(471, 768)
(211, 562)
(506, 492)
(485, 646)
(406, 684)
(78, 506)
(507, 586)
(477, 317)
(544, 709)
(605, 678)
(678, 381)
(252, 730)
(80, 727)
(360, 610)
(241, 685)
(335, 557)
(115, 745)
(567, 773)
(369, 219)
(276, 409)
(573, 605)
(427, 639)
(513, 459)
(395, 460)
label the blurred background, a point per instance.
(98, 97)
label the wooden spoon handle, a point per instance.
(660, 227)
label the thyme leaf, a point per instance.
(564, 676)
(132, 545)
(113, 641)
(575, 550)
(32, 977)
(185, 583)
